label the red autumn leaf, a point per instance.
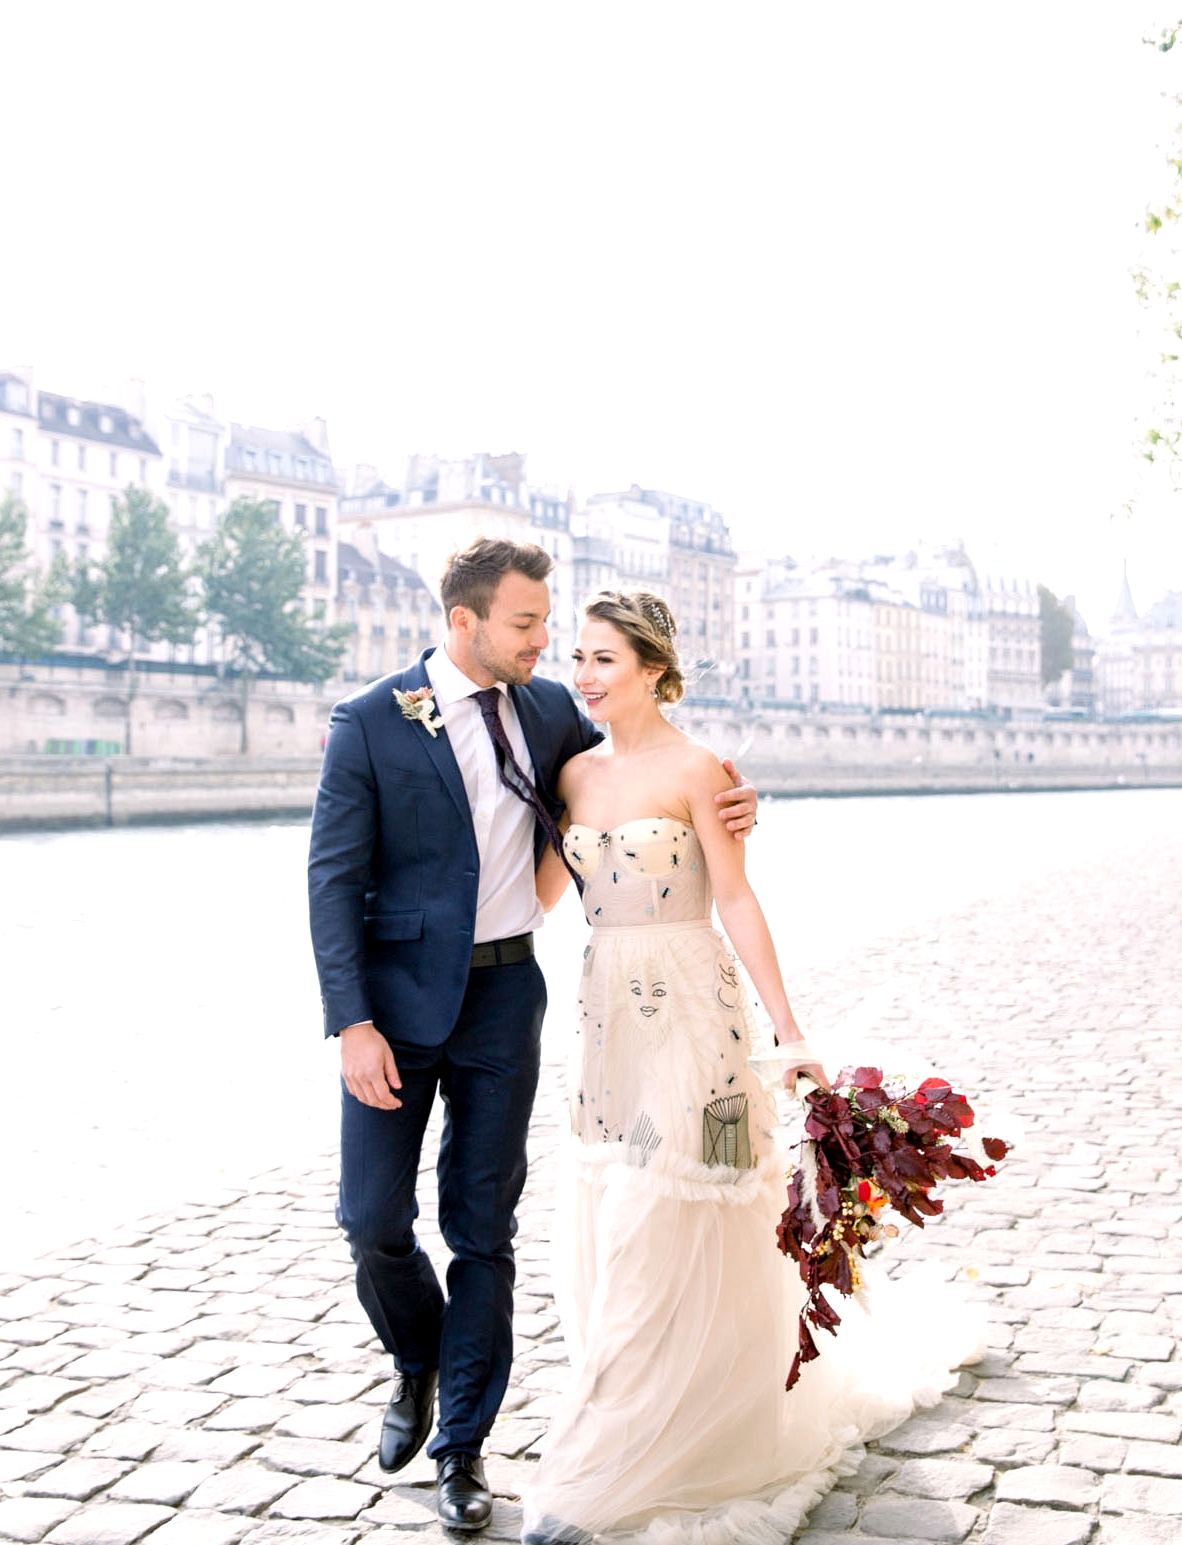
(867, 1078)
(935, 1088)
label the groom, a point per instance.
(433, 808)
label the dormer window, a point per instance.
(105, 424)
(73, 417)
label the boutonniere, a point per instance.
(420, 706)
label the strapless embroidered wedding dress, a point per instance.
(678, 1309)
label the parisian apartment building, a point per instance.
(936, 628)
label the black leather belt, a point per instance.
(503, 952)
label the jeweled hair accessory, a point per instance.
(658, 616)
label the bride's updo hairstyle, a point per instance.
(647, 623)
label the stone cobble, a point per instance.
(205, 1376)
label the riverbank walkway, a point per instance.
(204, 1376)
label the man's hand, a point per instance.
(737, 806)
(368, 1066)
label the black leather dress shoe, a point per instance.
(464, 1500)
(407, 1421)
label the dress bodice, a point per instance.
(651, 870)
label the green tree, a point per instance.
(28, 626)
(253, 573)
(1058, 624)
(141, 587)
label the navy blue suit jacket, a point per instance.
(393, 868)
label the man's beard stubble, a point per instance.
(507, 668)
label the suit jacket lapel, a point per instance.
(437, 746)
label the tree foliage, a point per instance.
(28, 599)
(140, 588)
(1058, 624)
(253, 573)
(1159, 288)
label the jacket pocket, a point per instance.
(395, 925)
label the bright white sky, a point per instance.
(854, 274)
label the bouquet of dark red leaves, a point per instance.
(868, 1144)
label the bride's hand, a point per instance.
(793, 1041)
(812, 1070)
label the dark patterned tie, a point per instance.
(490, 711)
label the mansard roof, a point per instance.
(298, 459)
(354, 567)
(105, 422)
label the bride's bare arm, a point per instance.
(739, 911)
(552, 876)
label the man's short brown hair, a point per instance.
(471, 576)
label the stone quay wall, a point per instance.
(187, 733)
(172, 714)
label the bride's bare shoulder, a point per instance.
(697, 766)
(574, 772)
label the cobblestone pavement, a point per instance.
(204, 1376)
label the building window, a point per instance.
(17, 484)
(55, 453)
(55, 501)
(301, 516)
(143, 470)
(321, 520)
(320, 572)
(771, 638)
(82, 458)
(114, 464)
(82, 509)
(812, 635)
(796, 635)
(18, 444)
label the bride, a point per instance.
(678, 1311)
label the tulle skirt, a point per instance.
(679, 1311)
(680, 1318)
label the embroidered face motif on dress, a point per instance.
(649, 997)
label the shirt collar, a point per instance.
(449, 681)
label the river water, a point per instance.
(161, 1017)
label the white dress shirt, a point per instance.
(507, 898)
